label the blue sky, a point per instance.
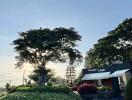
(91, 18)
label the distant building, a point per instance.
(115, 75)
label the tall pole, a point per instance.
(10, 82)
(23, 76)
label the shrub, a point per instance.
(74, 88)
(2, 94)
(8, 86)
(87, 89)
(103, 88)
(12, 89)
(128, 90)
(49, 84)
(40, 96)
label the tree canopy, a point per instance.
(116, 46)
(40, 46)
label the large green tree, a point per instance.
(116, 46)
(40, 46)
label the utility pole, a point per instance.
(23, 76)
(10, 82)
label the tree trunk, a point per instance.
(42, 78)
(42, 75)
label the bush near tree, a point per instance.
(8, 86)
(87, 89)
(44, 89)
(128, 90)
(40, 96)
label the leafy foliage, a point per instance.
(116, 46)
(87, 89)
(38, 47)
(43, 45)
(74, 88)
(104, 88)
(8, 86)
(35, 76)
(44, 89)
(128, 90)
(40, 96)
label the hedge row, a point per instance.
(40, 96)
(42, 89)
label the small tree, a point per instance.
(35, 76)
(38, 47)
(8, 86)
(128, 90)
(70, 75)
